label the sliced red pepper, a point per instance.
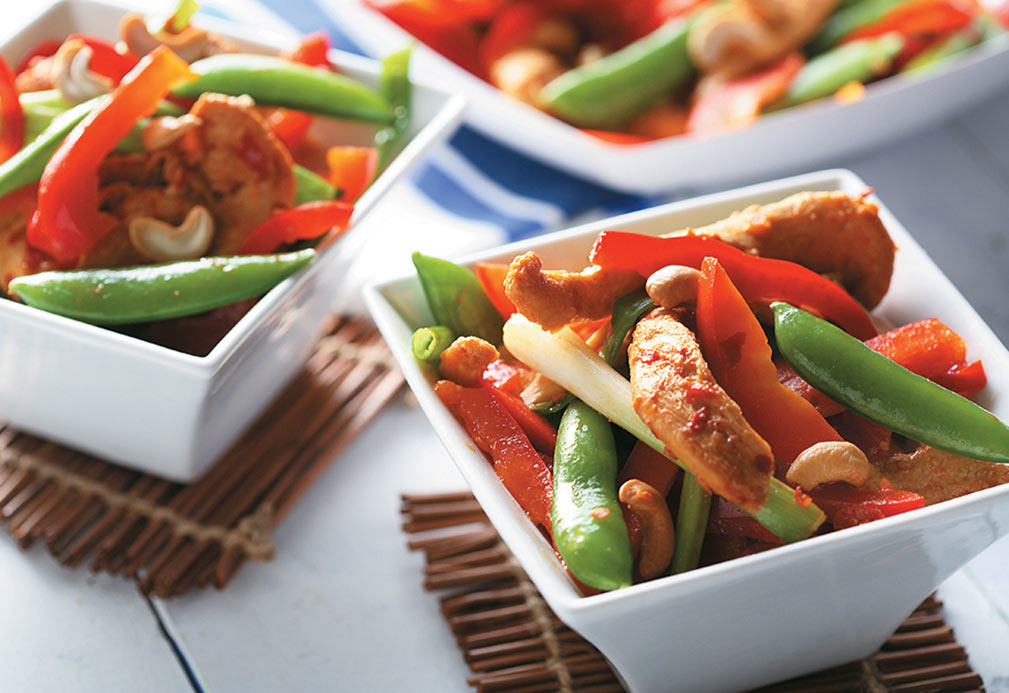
(105, 59)
(12, 117)
(846, 506)
(300, 223)
(289, 126)
(736, 349)
(505, 376)
(492, 276)
(651, 467)
(927, 347)
(759, 279)
(516, 462)
(917, 18)
(541, 433)
(67, 223)
(870, 437)
(312, 50)
(511, 27)
(1001, 11)
(436, 24)
(351, 169)
(43, 49)
(739, 102)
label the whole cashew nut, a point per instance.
(189, 44)
(829, 462)
(673, 286)
(657, 535)
(166, 130)
(162, 242)
(73, 76)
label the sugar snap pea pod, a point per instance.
(457, 299)
(273, 81)
(875, 387)
(156, 292)
(428, 342)
(589, 528)
(858, 61)
(608, 92)
(849, 18)
(40, 107)
(310, 187)
(394, 85)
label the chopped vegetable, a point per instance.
(427, 343)
(351, 169)
(456, 298)
(847, 506)
(492, 277)
(312, 187)
(304, 222)
(394, 85)
(691, 521)
(12, 118)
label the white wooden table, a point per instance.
(341, 607)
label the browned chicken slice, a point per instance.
(675, 394)
(938, 475)
(831, 233)
(554, 298)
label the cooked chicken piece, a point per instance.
(738, 36)
(18, 258)
(938, 475)
(465, 360)
(554, 298)
(231, 164)
(675, 394)
(829, 232)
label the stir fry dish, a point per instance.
(708, 394)
(635, 70)
(169, 174)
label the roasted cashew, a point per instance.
(657, 535)
(829, 462)
(524, 72)
(73, 76)
(466, 359)
(673, 286)
(189, 44)
(161, 242)
(166, 130)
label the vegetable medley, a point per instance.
(708, 394)
(169, 174)
(634, 70)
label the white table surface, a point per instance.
(341, 607)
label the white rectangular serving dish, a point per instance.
(777, 143)
(153, 408)
(763, 618)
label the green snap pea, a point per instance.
(608, 92)
(879, 389)
(849, 18)
(310, 187)
(428, 342)
(273, 81)
(457, 299)
(40, 107)
(691, 524)
(589, 528)
(858, 61)
(394, 85)
(156, 292)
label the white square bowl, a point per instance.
(150, 407)
(778, 142)
(763, 618)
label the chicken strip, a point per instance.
(939, 475)
(554, 298)
(675, 394)
(831, 233)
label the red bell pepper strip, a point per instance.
(736, 349)
(870, 437)
(511, 27)
(351, 169)
(927, 347)
(312, 50)
(759, 279)
(541, 433)
(492, 276)
(651, 467)
(1001, 12)
(12, 118)
(516, 462)
(105, 59)
(917, 18)
(43, 49)
(846, 506)
(439, 25)
(739, 102)
(289, 126)
(67, 223)
(301, 223)
(504, 376)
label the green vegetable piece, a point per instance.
(627, 310)
(849, 18)
(879, 389)
(394, 85)
(691, 524)
(273, 81)
(428, 342)
(858, 61)
(40, 107)
(174, 21)
(589, 528)
(156, 292)
(933, 57)
(457, 299)
(608, 92)
(310, 187)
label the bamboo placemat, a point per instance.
(173, 537)
(513, 642)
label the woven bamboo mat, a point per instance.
(173, 537)
(513, 642)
